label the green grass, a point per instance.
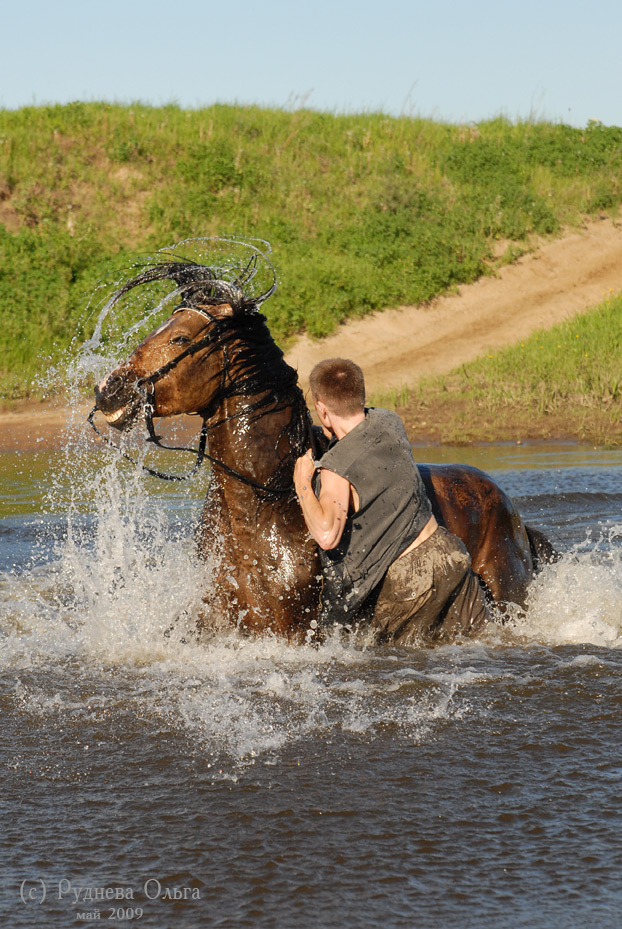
(362, 212)
(575, 364)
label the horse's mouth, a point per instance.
(125, 417)
(119, 417)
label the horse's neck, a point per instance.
(256, 445)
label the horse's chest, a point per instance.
(270, 560)
(268, 569)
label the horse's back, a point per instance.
(471, 504)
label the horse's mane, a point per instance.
(260, 373)
(233, 283)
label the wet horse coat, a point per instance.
(215, 357)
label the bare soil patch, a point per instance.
(29, 426)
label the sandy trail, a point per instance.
(396, 347)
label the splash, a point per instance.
(107, 623)
(122, 573)
(579, 599)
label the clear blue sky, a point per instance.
(454, 60)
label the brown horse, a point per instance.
(215, 357)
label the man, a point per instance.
(372, 519)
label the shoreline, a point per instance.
(30, 426)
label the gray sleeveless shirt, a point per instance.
(376, 458)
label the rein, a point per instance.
(146, 388)
(200, 452)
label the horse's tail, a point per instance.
(542, 551)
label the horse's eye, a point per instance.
(181, 340)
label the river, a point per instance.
(152, 779)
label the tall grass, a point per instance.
(362, 211)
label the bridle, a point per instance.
(200, 451)
(146, 388)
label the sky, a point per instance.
(456, 61)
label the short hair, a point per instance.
(340, 384)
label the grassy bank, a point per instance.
(363, 212)
(564, 382)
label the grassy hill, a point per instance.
(362, 212)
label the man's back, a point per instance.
(376, 458)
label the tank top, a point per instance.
(376, 458)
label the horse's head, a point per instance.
(177, 369)
(213, 356)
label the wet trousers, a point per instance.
(430, 595)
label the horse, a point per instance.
(214, 357)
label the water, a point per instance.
(155, 780)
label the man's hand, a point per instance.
(304, 469)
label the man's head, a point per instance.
(339, 384)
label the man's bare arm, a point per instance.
(325, 517)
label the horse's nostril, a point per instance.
(113, 393)
(110, 386)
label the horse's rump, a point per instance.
(505, 553)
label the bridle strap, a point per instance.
(243, 478)
(200, 452)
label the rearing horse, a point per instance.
(215, 357)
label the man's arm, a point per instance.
(325, 517)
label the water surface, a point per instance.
(250, 783)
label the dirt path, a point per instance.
(396, 347)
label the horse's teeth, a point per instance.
(113, 417)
